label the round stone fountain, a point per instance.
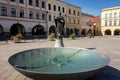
(58, 63)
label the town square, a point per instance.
(59, 40)
(107, 45)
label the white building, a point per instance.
(110, 21)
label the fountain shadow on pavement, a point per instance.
(108, 73)
(92, 48)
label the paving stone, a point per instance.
(20, 77)
(2, 71)
(6, 74)
(2, 78)
(13, 76)
(28, 79)
(105, 45)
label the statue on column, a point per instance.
(59, 22)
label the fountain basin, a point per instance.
(58, 63)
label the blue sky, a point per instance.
(94, 7)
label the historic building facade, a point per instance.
(22, 16)
(53, 8)
(36, 17)
(97, 26)
(71, 14)
(90, 23)
(110, 21)
(85, 27)
(73, 17)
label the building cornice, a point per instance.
(112, 8)
(69, 4)
(87, 14)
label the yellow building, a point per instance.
(53, 8)
(110, 21)
(73, 19)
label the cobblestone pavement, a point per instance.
(107, 45)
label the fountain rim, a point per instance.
(20, 69)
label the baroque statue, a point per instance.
(59, 22)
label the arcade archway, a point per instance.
(52, 30)
(83, 32)
(76, 31)
(90, 31)
(38, 30)
(117, 32)
(71, 31)
(17, 28)
(108, 32)
(1, 30)
(67, 31)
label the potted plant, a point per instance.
(17, 38)
(89, 35)
(72, 36)
(51, 37)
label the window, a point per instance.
(119, 22)
(106, 22)
(115, 15)
(110, 23)
(78, 13)
(21, 13)
(37, 15)
(13, 0)
(30, 2)
(119, 14)
(74, 12)
(37, 3)
(30, 14)
(49, 6)
(106, 16)
(69, 20)
(58, 8)
(3, 11)
(13, 12)
(115, 23)
(63, 9)
(69, 11)
(43, 4)
(74, 21)
(21, 1)
(110, 16)
(49, 17)
(78, 21)
(43, 16)
(54, 7)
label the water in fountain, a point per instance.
(58, 60)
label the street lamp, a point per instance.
(66, 25)
(47, 23)
(90, 23)
(94, 27)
